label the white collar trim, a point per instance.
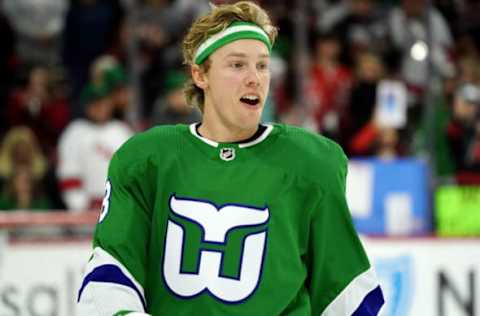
(193, 130)
(259, 139)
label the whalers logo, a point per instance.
(216, 224)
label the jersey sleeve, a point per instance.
(115, 276)
(341, 282)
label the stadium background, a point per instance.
(396, 83)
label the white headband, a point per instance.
(237, 30)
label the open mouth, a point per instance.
(251, 100)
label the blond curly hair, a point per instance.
(16, 137)
(216, 21)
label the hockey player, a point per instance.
(228, 216)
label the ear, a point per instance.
(199, 77)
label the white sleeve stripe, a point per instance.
(352, 297)
(102, 257)
(104, 272)
(110, 273)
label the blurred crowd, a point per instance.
(386, 79)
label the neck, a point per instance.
(222, 134)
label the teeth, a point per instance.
(251, 97)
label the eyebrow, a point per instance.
(245, 55)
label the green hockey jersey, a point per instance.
(190, 226)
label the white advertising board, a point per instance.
(428, 277)
(41, 279)
(420, 277)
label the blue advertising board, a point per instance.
(389, 197)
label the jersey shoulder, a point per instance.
(313, 155)
(155, 144)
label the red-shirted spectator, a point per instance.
(329, 85)
(41, 106)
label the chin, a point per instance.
(249, 119)
(250, 123)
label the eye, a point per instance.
(262, 66)
(237, 64)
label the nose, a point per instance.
(253, 77)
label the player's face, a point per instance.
(237, 84)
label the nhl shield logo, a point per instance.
(227, 153)
(396, 278)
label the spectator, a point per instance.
(157, 29)
(289, 97)
(329, 85)
(369, 70)
(20, 150)
(120, 91)
(107, 71)
(360, 27)
(173, 108)
(469, 70)
(365, 132)
(38, 25)
(160, 26)
(463, 132)
(42, 106)
(23, 192)
(85, 149)
(89, 31)
(412, 25)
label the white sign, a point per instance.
(41, 279)
(391, 108)
(359, 187)
(428, 277)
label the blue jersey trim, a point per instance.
(371, 303)
(110, 273)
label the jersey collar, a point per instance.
(253, 142)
